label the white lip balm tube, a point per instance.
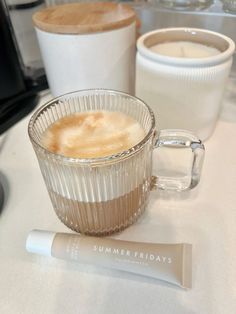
(168, 262)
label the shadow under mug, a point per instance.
(99, 196)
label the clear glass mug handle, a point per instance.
(180, 139)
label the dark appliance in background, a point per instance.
(21, 70)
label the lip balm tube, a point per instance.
(168, 262)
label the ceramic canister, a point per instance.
(87, 45)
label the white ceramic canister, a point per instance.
(184, 93)
(87, 45)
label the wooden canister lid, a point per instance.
(84, 18)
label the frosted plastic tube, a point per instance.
(168, 262)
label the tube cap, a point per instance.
(40, 242)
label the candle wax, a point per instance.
(184, 49)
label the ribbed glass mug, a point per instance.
(99, 196)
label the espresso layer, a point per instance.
(92, 134)
(101, 218)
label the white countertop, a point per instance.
(205, 217)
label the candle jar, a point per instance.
(185, 91)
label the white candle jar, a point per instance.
(87, 45)
(184, 93)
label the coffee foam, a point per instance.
(93, 134)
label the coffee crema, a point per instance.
(92, 134)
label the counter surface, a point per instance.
(205, 217)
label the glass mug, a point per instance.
(100, 196)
